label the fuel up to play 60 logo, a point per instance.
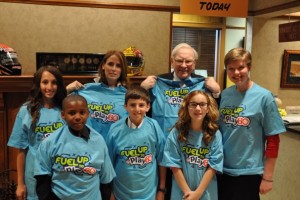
(78, 164)
(137, 156)
(232, 116)
(196, 156)
(103, 112)
(176, 96)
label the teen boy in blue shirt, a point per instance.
(73, 161)
(136, 145)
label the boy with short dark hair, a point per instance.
(73, 161)
(136, 145)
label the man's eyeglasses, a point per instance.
(194, 105)
(181, 61)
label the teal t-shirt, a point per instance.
(193, 158)
(23, 137)
(106, 105)
(77, 165)
(245, 121)
(167, 96)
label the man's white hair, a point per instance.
(184, 45)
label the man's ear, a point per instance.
(249, 67)
(62, 113)
(172, 62)
(148, 107)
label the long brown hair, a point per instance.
(120, 55)
(210, 121)
(35, 99)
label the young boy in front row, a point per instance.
(73, 161)
(136, 145)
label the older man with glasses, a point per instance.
(168, 91)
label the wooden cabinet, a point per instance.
(13, 93)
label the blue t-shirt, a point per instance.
(106, 105)
(135, 154)
(23, 137)
(77, 165)
(246, 118)
(193, 158)
(167, 96)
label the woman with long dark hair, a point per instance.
(36, 120)
(106, 97)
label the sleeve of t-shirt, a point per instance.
(110, 144)
(216, 155)
(172, 154)
(160, 142)
(107, 173)
(21, 128)
(43, 165)
(272, 122)
(272, 146)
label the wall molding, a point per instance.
(276, 8)
(148, 7)
(95, 4)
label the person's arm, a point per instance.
(149, 82)
(267, 178)
(75, 85)
(271, 153)
(162, 183)
(106, 190)
(43, 188)
(112, 196)
(213, 87)
(181, 182)
(207, 177)
(21, 191)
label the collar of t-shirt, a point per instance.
(175, 78)
(84, 133)
(130, 124)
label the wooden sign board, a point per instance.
(218, 8)
(289, 32)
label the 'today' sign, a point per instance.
(218, 8)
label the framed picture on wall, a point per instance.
(290, 74)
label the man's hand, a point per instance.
(212, 85)
(149, 82)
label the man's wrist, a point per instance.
(216, 94)
(267, 180)
(163, 190)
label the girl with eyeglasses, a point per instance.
(194, 150)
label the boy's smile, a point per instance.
(137, 109)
